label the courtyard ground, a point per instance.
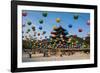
(39, 57)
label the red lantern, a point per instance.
(24, 14)
(38, 34)
(80, 30)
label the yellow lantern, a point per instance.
(57, 20)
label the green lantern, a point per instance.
(76, 16)
(29, 22)
(44, 14)
(28, 30)
(41, 21)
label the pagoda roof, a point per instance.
(54, 33)
(59, 28)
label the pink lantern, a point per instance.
(53, 35)
(74, 36)
(61, 36)
(88, 22)
(69, 40)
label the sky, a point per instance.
(66, 18)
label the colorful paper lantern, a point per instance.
(24, 14)
(57, 20)
(70, 26)
(44, 14)
(29, 22)
(40, 27)
(41, 21)
(80, 30)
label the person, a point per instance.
(45, 50)
(30, 55)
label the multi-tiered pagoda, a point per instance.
(59, 38)
(59, 35)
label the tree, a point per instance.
(87, 42)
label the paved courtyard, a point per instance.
(39, 57)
